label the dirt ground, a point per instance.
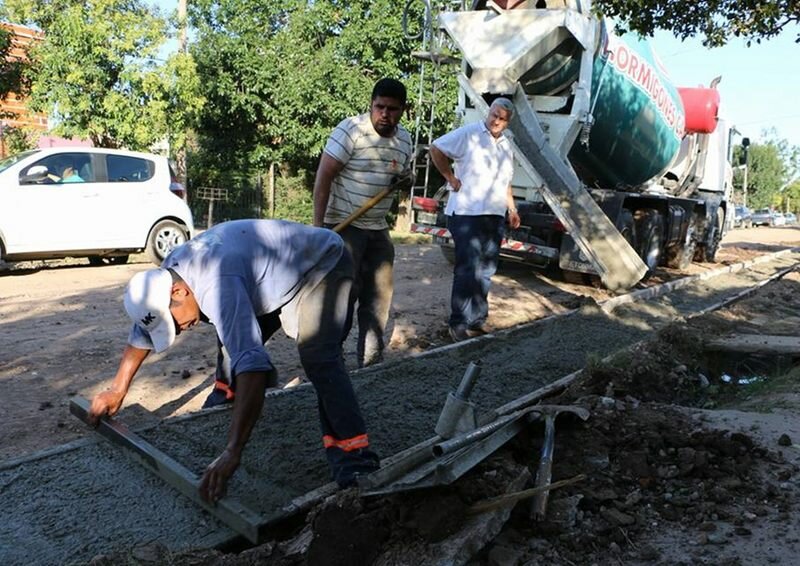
(62, 328)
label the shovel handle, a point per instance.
(365, 207)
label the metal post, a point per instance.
(181, 154)
(271, 197)
(744, 181)
(746, 149)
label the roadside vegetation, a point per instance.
(248, 104)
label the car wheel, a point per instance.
(164, 237)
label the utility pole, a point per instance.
(180, 156)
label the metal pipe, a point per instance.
(468, 381)
(442, 448)
(545, 473)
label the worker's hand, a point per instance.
(455, 183)
(403, 181)
(513, 219)
(106, 403)
(214, 484)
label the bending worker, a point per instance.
(248, 278)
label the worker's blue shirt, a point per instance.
(242, 269)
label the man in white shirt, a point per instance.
(480, 195)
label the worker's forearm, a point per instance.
(322, 192)
(326, 172)
(250, 388)
(510, 204)
(130, 363)
(442, 164)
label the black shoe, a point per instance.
(459, 333)
(216, 398)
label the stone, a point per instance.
(504, 556)
(617, 517)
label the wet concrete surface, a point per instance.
(91, 499)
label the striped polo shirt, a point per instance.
(370, 161)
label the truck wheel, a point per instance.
(627, 227)
(651, 231)
(449, 254)
(707, 251)
(680, 256)
(164, 237)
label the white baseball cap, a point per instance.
(147, 300)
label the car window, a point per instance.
(16, 158)
(62, 168)
(122, 168)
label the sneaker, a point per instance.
(216, 398)
(459, 333)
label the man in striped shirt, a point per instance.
(364, 155)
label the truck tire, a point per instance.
(165, 236)
(707, 251)
(449, 253)
(627, 227)
(650, 229)
(680, 256)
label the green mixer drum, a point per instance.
(639, 118)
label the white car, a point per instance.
(102, 204)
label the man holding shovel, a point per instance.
(364, 156)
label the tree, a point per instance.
(97, 75)
(11, 68)
(280, 75)
(766, 173)
(717, 20)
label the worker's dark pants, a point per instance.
(321, 317)
(477, 241)
(371, 296)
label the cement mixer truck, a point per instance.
(617, 170)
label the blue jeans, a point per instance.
(477, 241)
(322, 314)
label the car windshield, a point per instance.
(16, 158)
(762, 211)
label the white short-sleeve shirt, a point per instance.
(485, 166)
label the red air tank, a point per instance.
(701, 106)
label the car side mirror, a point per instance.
(35, 174)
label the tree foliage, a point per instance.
(96, 73)
(280, 75)
(767, 172)
(12, 69)
(716, 20)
